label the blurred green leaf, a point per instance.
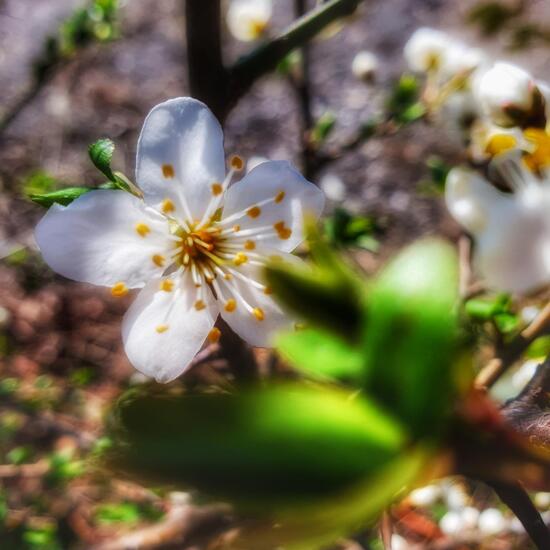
(327, 295)
(126, 512)
(42, 537)
(403, 104)
(320, 354)
(323, 128)
(61, 196)
(19, 455)
(539, 347)
(492, 17)
(345, 229)
(38, 182)
(289, 63)
(63, 468)
(409, 336)
(277, 445)
(495, 308)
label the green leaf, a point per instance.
(323, 127)
(275, 445)
(345, 229)
(101, 153)
(61, 196)
(320, 354)
(410, 333)
(539, 348)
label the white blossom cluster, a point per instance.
(502, 113)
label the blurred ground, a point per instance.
(64, 337)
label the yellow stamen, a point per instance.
(227, 276)
(119, 290)
(254, 212)
(539, 158)
(279, 197)
(236, 162)
(268, 290)
(167, 285)
(240, 258)
(167, 206)
(199, 304)
(217, 189)
(214, 335)
(230, 305)
(158, 259)
(282, 231)
(250, 245)
(142, 229)
(258, 313)
(236, 228)
(161, 328)
(168, 171)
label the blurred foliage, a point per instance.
(403, 104)
(96, 22)
(438, 170)
(126, 512)
(540, 347)
(345, 229)
(497, 309)
(322, 128)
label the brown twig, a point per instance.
(511, 352)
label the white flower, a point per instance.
(247, 20)
(492, 522)
(511, 230)
(504, 91)
(461, 59)
(364, 65)
(426, 49)
(196, 245)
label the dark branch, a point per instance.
(517, 499)
(207, 75)
(266, 57)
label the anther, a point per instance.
(230, 305)
(158, 260)
(214, 335)
(167, 285)
(240, 258)
(258, 313)
(199, 304)
(161, 328)
(167, 206)
(168, 171)
(216, 189)
(119, 290)
(250, 245)
(236, 163)
(142, 229)
(254, 211)
(279, 197)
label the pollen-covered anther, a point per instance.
(250, 245)
(167, 285)
(214, 335)
(199, 304)
(217, 189)
(227, 276)
(500, 143)
(168, 171)
(236, 228)
(268, 290)
(162, 328)
(254, 211)
(167, 206)
(282, 231)
(230, 305)
(236, 162)
(119, 290)
(142, 229)
(279, 197)
(158, 260)
(240, 258)
(258, 313)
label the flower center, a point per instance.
(197, 244)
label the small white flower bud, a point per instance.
(364, 65)
(492, 522)
(425, 496)
(247, 20)
(451, 523)
(506, 91)
(426, 49)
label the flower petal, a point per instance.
(179, 155)
(276, 197)
(258, 326)
(471, 200)
(105, 237)
(163, 330)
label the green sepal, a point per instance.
(64, 196)
(101, 154)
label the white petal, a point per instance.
(471, 200)
(96, 240)
(426, 49)
(247, 19)
(254, 331)
(180, 154)
(162, 331)
(282, 195)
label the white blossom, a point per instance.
(511, 230)
(247, 20)
(426, 49)
(492, 522)
(195, 245)
(504, 90)
(364, 65)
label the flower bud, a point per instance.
(426, 49)
(364, 65)
(509, 96)
(247, 20)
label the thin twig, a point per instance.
(511, 352)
